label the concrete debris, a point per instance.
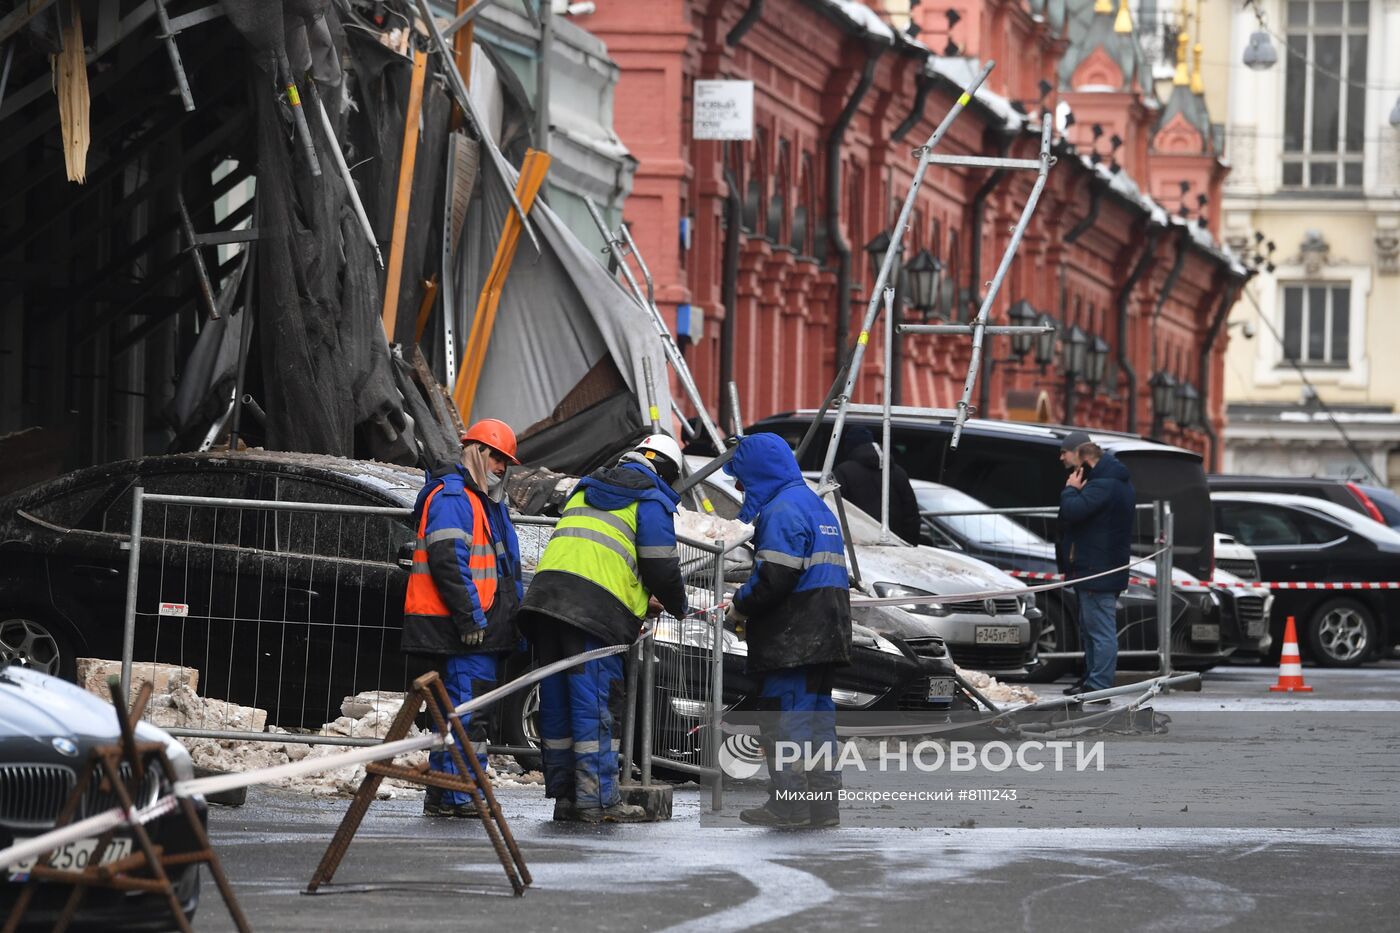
(93, 674)
(182, 708)
(711, 529)
(997, 691)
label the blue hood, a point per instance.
(618, 487)
(765, 465)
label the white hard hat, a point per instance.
(662, 445)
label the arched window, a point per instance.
(756, 191)
(800, 233)
(777, 229)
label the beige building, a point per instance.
(1312, 375)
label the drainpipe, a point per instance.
(979, 202)
(1096, 190)
(833, 198)
(729, 286)
(1227, 301)
(923, 83)
(1125, 294)
(735, 35)
(1182, 239)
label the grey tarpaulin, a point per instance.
(562, 320)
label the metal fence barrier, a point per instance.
(289, 607)
(1153, 622)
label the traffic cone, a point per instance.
(1290, 667)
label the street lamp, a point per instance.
(876, 250)
(1188, 405)
(1045, 343)
(1022, 315)
(1163, 388)
(1259, 55)
(925, 282)
(1097, 359)
(1074, 349)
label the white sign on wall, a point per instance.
(723, 110)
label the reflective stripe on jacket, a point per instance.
(600, 546)
(422, 597)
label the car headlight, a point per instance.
(895, 590)
(696, 633)
(884, 644)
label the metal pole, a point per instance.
(890, 328)
(542, 75)
(734, 409)
(350, 188)
(846, 534)
(201, 271)
(245, 339)
(980, 323)
(1164, 516)
(133, 574)
(652, 410)
(902, 224)
(173, 51)
(648, 699)
(629, 717)
(308, 148)
(668, 343)
(717, 683)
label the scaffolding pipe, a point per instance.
(925, 152)
(979, 325)
(890, 330)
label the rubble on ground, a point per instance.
(996, 691)
(711, 529)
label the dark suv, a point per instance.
(1375, 502)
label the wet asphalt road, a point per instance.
(406, 872)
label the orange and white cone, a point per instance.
(1290, 667)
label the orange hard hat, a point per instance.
(494, 434)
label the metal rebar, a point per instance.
(873, 308)
(167, 36)
(668, 343)
(133, 573)
(350, 189)
(980, 323)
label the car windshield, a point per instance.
(982, 529)
(1353, 520)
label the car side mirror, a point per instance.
(405, 557)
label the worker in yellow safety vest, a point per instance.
(611, 561)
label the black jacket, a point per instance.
(859, 476)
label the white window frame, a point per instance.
(1329, 311)
(1341, 157)
(1270, 367)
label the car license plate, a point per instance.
(940, 688)
(996, 635)
(1205, 633)
(1257, 629)
(74, 856)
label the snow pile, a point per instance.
(996, 691)
(711, 529)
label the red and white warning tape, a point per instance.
(1288, 585)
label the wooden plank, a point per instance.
(408, 156)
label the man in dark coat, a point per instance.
(859, 476)
(1097, 508)
(795, 612)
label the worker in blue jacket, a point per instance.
(795, 613)
(610, 563)
(465, 586)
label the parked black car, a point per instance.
(1376, 502)
(1306, 539)
(48, 729)
(1201, 634)
(1009, 464)
(253, 592)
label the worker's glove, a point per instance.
(474, 638)
(736, 619)
(654, 607)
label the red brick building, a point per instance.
(841, 97)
